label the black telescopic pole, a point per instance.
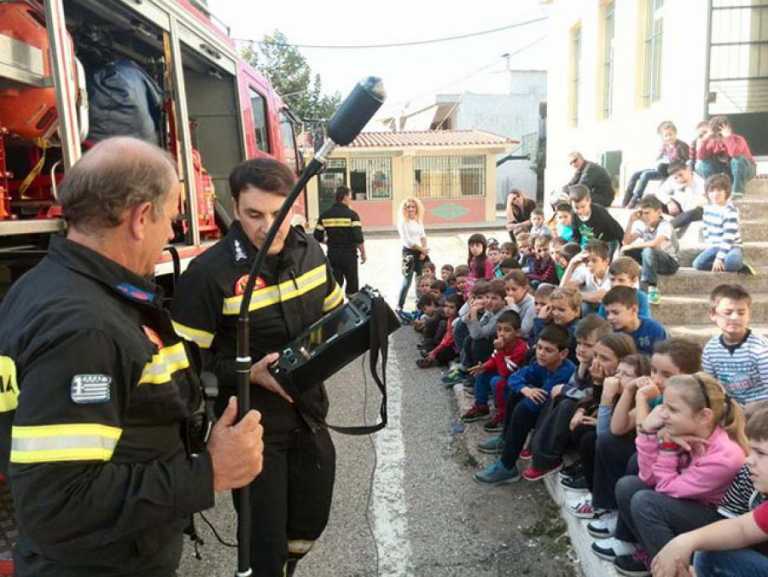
(353, 114)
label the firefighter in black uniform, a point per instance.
(291, 499)
(98, 391)
(341, 225)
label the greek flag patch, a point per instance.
(88, 389)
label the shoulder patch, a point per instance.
(89, 389)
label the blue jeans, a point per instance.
(710, 166)
(742, 170)
(734, 259)
(735, 563)
(485, 387)
(654, 262)
(637, 184)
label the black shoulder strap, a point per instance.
(379, 342)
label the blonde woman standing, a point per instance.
(410, 227)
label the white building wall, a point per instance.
(632, 126)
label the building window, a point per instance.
(259, 112)
(449, 176)
(652, 51)
(370, 178)
(609, 33)
(575, 74)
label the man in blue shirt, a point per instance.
(528, 389)
(621, 311)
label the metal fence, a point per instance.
(451, 177)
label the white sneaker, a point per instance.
(605, 526)
(611, 548)
(583, 509)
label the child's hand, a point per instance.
(476, 370)
(718, 265)
(556, 390)
(648, 391)
(653, 422)
(589, 421)
(498, 344)
(544, 312)
(688, 443)
(576, 419)
(611, 387)
(538, 396)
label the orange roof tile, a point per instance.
(429, 138)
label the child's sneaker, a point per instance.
(454, 376)
(611, 548)
(492, 445)
(534, 474)
(654, 296)
(573, 470)
(747, 270)
(526, 454)
(603, 527)
(583, 509)
(638, 564)
(497, 474)
(425, 363)
(495, 425)
(476, 413)
(578, 484)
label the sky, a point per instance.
(412, 75)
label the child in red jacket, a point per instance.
(509, 354)
(445, 351)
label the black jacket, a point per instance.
(295, 289)
(597, 180)
(96, 390)
(341, 225)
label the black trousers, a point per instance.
(344, 264)
(612, 455)
(553, 434)
(291, 499)
(520, 418)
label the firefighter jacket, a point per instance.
(96, 392)
(342, 227)
(295, 289)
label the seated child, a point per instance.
(542, 266)
(552, 433)
(428, 323)
(509, 354)
(734, 546)
(625, 271)
(450, 286)
(738, 358)
(520, 300)
(541, 306)
(725, 151)
(563, 258)
(446, 271)
(524, 250)
(461, 273)
(721, 229)
(593, 281)
(482, 328)
(509, 250)
(437, 288)
(445, 351)
(538, 226)
(685, 467)
(472, 309)
(621, 310)
(494, 255)
(508, 265)
(528, 389)
(564, 219)
(565, 309)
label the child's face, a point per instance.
(564, 218)
(604, 363)
(732, 318)
(524, 247)
(515, 292)
(662, 368)
(424, 285)
(626, 373)
(537, 220)
(757, 461)
(505, 253)
(480, 300)
(494, 255)
(506, 332)
(585, 349)
(717, 196)
(597, 265)
(620, 316)
(449, 310)
(651, 216)
(668, 135)
(726, 130)
(542, 250)
(583, 208)
(476, 248)
(623, 279)
(435, 292)
(548, 355)
(461, 283)
(562, 313)
(494, 302)
(676, 413)
(444, 274)
(541, 304)
(704, 131)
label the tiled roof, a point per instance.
(429, 138)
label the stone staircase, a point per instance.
(684, 307)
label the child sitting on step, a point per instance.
(721, 229)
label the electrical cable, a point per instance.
(216, 533)
(394, 44)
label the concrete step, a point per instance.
(701, 334)
(757, 186)
(754, 230)
(693, 310)
(755, 252)
(754, 206)
(689, 281)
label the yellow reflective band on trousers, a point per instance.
(202, 338)
(167, 361)
(57, 443)
(9, 387)
(282, 292)
(334, 299)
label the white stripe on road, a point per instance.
(390, 511)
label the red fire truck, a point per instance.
(62, 67)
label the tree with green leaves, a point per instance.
(288, 72)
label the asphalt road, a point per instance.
(405, 503)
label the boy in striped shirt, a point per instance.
(737, 358)
(721, 229)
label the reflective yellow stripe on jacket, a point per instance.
(334, 299)
(167, 361)
(203, 338)
(282, 292)
(56, 443)
(337, 222)
(9, 387)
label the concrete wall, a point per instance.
(632, 126)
